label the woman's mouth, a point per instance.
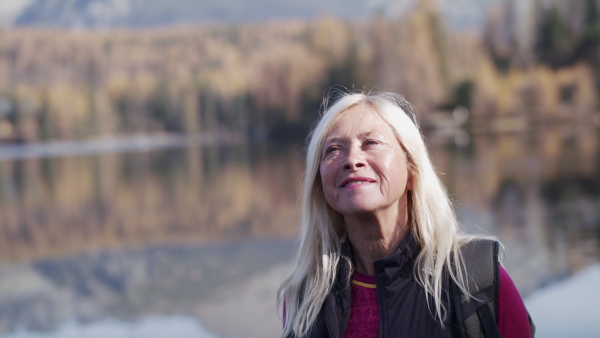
(356, 181)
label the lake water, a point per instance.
(174, 239)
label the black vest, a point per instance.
(403, 310)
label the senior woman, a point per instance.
(380, 251)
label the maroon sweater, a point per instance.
(511, 316)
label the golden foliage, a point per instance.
(188, 79)
(76, 204)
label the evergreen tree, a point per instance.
(554, 38)
(590, 41)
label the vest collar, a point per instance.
(407, 252)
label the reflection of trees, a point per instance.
(574, 216)
(508, 204)
(538, 191)
(65, 205)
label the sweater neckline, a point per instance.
(363, 278)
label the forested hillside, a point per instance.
(256, 77)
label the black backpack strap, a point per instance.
(477, 314)
(531, 325)
(459, 327)
(488, 322)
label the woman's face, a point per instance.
(363, 167)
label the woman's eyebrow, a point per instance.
(338, 139)
(334, 139)
(367, 133)
(374, 133)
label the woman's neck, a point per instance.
(374, 238)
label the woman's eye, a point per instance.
(371, 142)
(332, 149)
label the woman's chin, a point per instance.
(358, 210)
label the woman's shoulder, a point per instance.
(512, 317)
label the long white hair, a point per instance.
(433, 221)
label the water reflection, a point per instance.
(133, 284)
(58, 206)
(150, 327)
(207, 232)
(538, 191)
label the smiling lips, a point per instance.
(351, 181)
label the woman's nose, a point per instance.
(354, 160)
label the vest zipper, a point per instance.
(381, 304)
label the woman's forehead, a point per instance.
(360, 121)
